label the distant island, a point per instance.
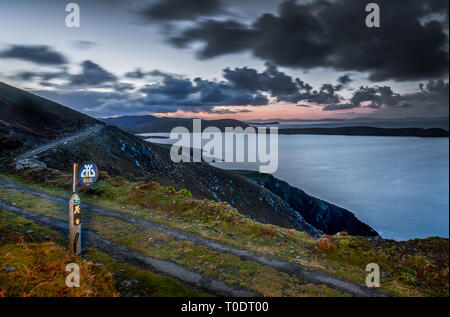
(153, 124)
(370, 131)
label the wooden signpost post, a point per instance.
(86, 175)
(74, 217)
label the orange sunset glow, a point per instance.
(272, 111)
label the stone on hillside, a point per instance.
(27, 163)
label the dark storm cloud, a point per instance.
(92, 74)
(344, 79)
(178, 88)
(431, 97)
(277, 83)
(280, 85)
(169, 10)
(43, 76)
(80, 100)
(438, 86)
(222, 93)
(411, 43)
(220, 37)
(342, 106)
(377, 96)
(240, 87)
(38, 54)
(198, 93)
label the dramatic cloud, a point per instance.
(279, 85)
(199, 93)
(92, 75)
(38, 54)
(169, 10)
(82, 101)
(344, 79)
(43, 76)
(411, 44)
(240, 87)
(432, 97)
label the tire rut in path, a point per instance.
(301, 272)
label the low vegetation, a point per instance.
(31, 269)
(417, 267)
(33, 260)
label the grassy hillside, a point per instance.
(418, 267)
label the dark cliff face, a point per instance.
(327, 217)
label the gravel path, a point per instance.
(65, 140)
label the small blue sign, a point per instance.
(87, 174)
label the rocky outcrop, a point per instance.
(27, 163)
(327, 217)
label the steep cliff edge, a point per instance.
(327, 217)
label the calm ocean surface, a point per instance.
(397, 185)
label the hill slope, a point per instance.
(122, 154)
(27, 120)
(151, 124)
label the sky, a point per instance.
(242, 59)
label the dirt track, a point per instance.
(65, 140)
